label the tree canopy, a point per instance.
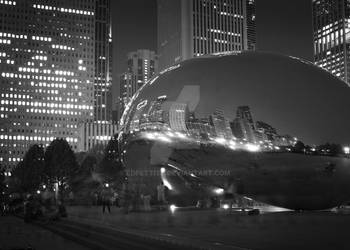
(60, 163)
(29, 173)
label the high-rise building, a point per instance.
(191, 28)
(103, 62)
(178, 116)
(221, 124)
(103, 127)
(251, 25)
(243, 125)
(331, 30)
(47, 67)
(93, 134)
(142, 65)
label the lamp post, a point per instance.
(347, 151)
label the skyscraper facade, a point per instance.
(47, 70)
(331, 30)
(251, 25)
(142, 65)
(191, 28)
(103, 62)
(243, 125)
(103, 127)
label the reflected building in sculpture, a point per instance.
(265, 132)
(191, 28)
(243, 125)
(331, 30)
(220, 124)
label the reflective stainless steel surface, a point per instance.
(224, 122)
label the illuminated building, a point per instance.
(93, 134)
(221, 125)
(192, 28)
(265, 131)
(331, 30)
(178, 116)
(142, 64)
(47, 73)
(251, 25)
(243, 125)
(102, 127)
(200, 128)
(103, 62)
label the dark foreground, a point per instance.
(17, 235)
(205, 229)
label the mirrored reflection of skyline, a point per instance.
(164, 115)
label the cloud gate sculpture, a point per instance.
(235, 121)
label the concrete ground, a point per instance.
(230, 230)
(17, 235)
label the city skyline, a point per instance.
(174, 124)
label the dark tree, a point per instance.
(330, 149)
(2, 184)
(110, 167)
(29, 173)
(60, 164)
(299, 147)
(84, 175)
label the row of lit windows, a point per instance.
(22, 76)
(15, 96)
(70, 36)
(7, 2)
(63, 47)
(5, 41)
(10, 35)
(47, 7)
(225, 32)
(41, 58)
(44, 104)
(33, 138)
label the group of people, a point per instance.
(130, 198)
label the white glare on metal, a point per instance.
(233, 143)
(220, 140)
(225, 206)
(150, 136)
(252, 147)
(181, 135)
(170, 134)
(219, 190)
(164, 180)
(172, 208)
(107, 185)
(164, 138)
(347, 150)
(277, 148)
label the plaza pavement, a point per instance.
(17, 235)
(221, 229)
